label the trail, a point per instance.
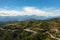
(34, 32)
(30, 31)
(53, 36)
(18, 30)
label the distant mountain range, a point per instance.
(22, 18)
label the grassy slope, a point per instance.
(40, 26)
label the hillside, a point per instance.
(31, 30)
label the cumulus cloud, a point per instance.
(30, 11)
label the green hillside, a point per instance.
(31, 30)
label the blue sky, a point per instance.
(36, 3)
(30, 7)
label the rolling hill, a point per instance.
(31, 30)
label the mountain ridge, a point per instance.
(21, 18)
(25, 17)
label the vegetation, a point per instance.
(31, 30)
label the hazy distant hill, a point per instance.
(21, 18)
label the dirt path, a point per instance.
(30, 31)
(53, 36)
(34, 32)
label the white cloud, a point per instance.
(30, 11)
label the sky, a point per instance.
(30, 7)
